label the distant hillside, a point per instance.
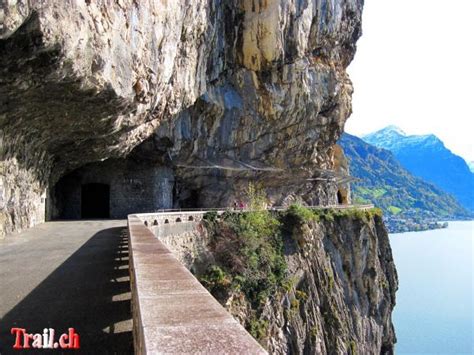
(427, 157)
(386, 183)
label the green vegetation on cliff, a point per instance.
(297, 214)
(249, 253)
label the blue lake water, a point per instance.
(434, 311)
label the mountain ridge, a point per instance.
(427, 157)
(386, 183)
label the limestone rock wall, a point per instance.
(343, 295)
(188, 241)
(342, 290)
(263, 82)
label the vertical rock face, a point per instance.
(256, 87)
(273, 115)
(340, 288)
(344, 292)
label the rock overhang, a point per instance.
(90, 82)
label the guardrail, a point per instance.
(275, 208)
(167, 216)
(172, 312)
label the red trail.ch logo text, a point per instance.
(45, 340)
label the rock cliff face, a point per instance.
(344, 286)
(338, 293)
(256, 86)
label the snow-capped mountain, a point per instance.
(427, 157)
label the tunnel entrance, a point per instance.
(95, 200)
(342, 197)
(113, 188)
(191, 199)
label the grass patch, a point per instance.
(210, 216)
(297, 215)
(394, 210)
(352, 347)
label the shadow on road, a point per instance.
(90, 292)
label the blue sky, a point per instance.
(414, 68)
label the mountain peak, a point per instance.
(393, 138)
(394, 129)
(426, 156)
(387, 135)
(385, 182)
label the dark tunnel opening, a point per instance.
(95, 201)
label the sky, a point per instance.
(414, 68)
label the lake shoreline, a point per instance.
(407, 225)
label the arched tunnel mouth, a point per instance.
(342, 197)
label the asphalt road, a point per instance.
(68, 274)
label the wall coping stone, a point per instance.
(172, 312)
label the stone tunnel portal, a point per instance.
(113, 188)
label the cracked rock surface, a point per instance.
(258, 82)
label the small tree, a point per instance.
(256, 196)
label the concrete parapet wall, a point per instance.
(172, 217)
(172, 312)
(176, 216)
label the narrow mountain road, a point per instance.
(68, 274)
